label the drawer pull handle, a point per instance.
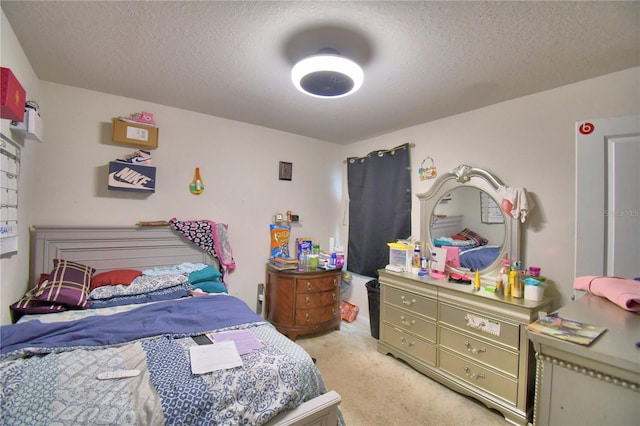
(309, 286)
(407, 302)
(307, 318)
(333, 312)
(307, 301)
(472, 376)
(335, 282)
(405, 322)
(334, 296)
(403, 341)
(473, 324)
(474, 350)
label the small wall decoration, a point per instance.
(197, 185)
(427, 169)
(285, 170)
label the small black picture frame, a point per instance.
(285, 170)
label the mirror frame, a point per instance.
(467, 176)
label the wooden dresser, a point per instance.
(597, 384)
(299, 303)
(473, 342)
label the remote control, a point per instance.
(119, 374)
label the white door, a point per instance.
(623, 206)
(608, 197)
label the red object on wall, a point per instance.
(13, 96)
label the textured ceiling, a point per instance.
(422, 60)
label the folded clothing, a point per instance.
(623, 292)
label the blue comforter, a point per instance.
(183, 317)
(48, 371)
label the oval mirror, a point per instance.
(461, 213)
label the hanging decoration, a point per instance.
(427, 169)
(197, 185)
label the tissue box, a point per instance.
(13, 96)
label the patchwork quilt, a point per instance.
(48, 370)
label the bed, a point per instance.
(474, 251)
(50, 362)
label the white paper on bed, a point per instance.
(219, 356)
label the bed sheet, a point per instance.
(480, 257)
(56, 383)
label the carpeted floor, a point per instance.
(381, 390)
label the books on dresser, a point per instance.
(567, 329)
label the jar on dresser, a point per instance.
(299, 303)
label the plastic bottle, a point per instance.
(339, 257)
(416, 255)
(504, 274)
(517, 290)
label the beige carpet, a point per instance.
(381, 390)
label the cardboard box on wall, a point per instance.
(135, 134)
(12, 97)
(131, 177)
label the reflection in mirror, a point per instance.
(467, 210)
(462, 210)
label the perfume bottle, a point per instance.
(197, 186)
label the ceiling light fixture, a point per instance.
(327, 75)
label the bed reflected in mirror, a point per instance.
(470, 221)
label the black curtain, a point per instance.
(379, 207)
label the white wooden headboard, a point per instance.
(446, 226)
(111, 247)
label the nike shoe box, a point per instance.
(135, 134)
(131, 177)
(12, 96)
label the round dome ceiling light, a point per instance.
(327, 75)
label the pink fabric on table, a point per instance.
(623, 292)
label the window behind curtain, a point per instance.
(379, 208)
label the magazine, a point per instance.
(567, 329)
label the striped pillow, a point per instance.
(29, 304)
(68, 284)
(479, 239)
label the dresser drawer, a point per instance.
(409, 344)
(409, 322)
(315, 300)
(316, 315)
(312, 285)
(481, 325)
(480, 351)
(479, 376)
(417, 304)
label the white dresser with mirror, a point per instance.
(474, 342)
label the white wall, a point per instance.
(14, 267)
(527, 142)
(238, 163)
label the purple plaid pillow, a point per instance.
(29, 304)
(68, 284)
(479, 239)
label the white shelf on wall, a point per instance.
(32, 127)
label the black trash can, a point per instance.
(373, 290)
